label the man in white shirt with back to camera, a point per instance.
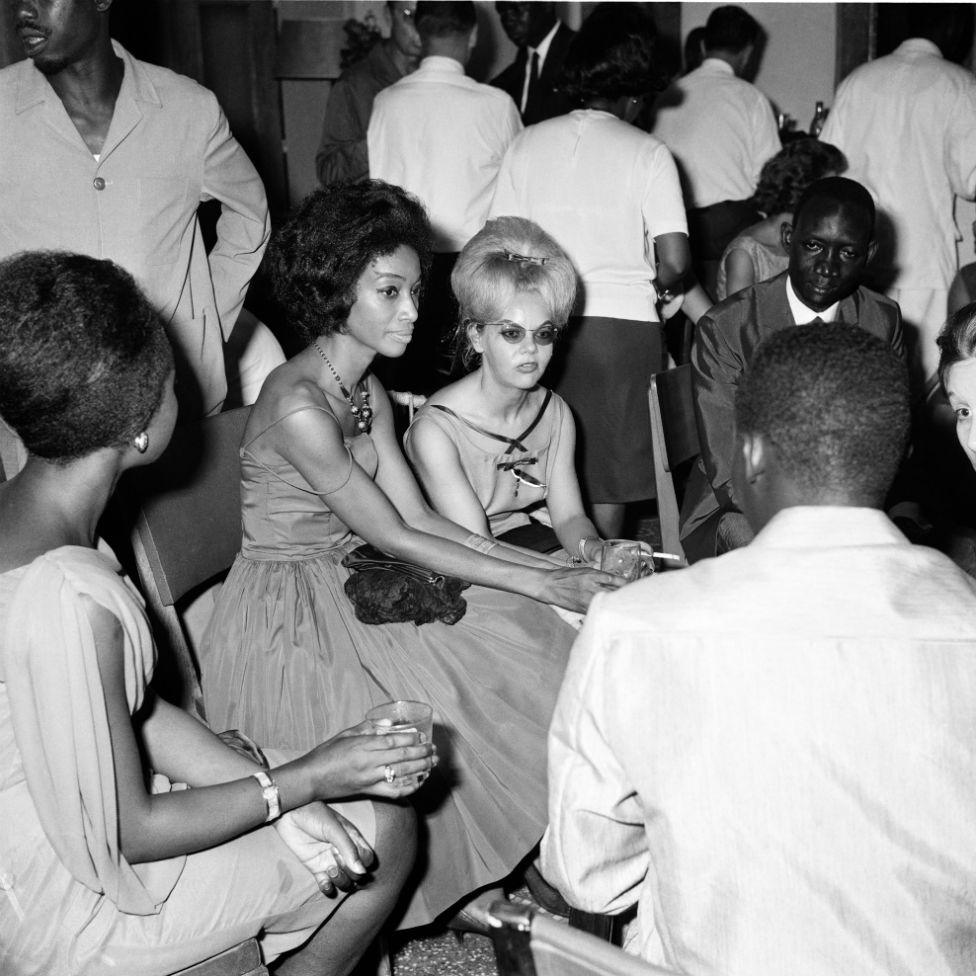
(907, 124)
(721, 130)
(772, 753)
(441, 135)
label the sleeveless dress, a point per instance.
(70, 903)
(488, 462)
(285, 660)
(767, 261)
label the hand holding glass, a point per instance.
(403, 716)
(627, 558)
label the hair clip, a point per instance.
(524, 258)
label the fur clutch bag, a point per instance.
(385, 590)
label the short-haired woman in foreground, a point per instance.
(496, 444)
(285, 657)
(101, 873)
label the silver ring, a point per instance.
(389, 774)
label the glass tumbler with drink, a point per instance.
(627, 558)
(403, 716)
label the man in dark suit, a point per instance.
(542, 41)
(829, 242)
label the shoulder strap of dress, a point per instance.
(285, 416)
(512, 442)
(535, 423)
(291, 484)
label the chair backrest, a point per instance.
(188, 531)
(239, 960)
(528, 943)
(674, 440)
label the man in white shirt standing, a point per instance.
(772, 753)
(721, 130)
(907, 124)
(441, 135)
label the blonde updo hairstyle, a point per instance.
(508, 257)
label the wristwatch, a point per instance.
(269, 791)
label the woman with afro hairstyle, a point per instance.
(285, 658)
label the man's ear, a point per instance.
(786, 235)
(872, 250)
(745, 59)
(473, 39)
(102, 5)
(754, 452)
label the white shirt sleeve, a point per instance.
(244, 226)
(505, 202)
(960, 149)
(663, 205)
(595, 851)
(766, 141)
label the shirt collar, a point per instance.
(437, 62)
(717, 67)
(919, 45)
(34, 87)
(803, 314)
(826, 526)
(542, 48)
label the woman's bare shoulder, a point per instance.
(456, 395)
(285, 393)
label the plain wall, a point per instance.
(797, 69)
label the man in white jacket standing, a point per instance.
(907, 124)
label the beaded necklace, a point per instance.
(362, 413)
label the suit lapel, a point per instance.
(849, 312)
(772, 305)
(557, 54)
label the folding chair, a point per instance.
(674, 440)
(529, 944)
(187, 534)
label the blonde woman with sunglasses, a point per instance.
(494, 450)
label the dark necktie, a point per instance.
(533, 69)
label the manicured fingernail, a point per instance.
(358, 867)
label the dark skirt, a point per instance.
(603, 373)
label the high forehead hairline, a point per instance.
(386, 272)
(835, 208)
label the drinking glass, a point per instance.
(626, 558)
(402, 716)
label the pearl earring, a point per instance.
(141, 442)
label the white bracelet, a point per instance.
(480, 543)
(272, 798)
(582, 547)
